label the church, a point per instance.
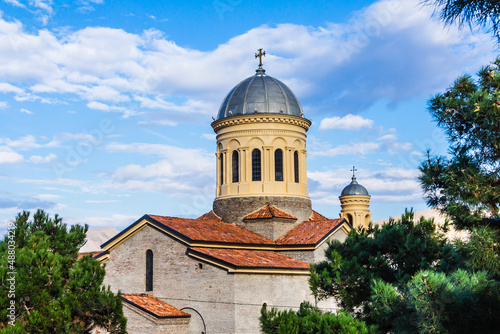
(213, 274)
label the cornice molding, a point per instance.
(261, 118)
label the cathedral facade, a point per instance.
(213, 274)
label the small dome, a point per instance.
(260, 94)
(354, 188)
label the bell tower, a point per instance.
(261, 150)
(355, 203)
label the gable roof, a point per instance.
(268, 212)
(153, 306)
(240, 259)
(212, 231)
(311, 232)
(316, 216)
(208, 230)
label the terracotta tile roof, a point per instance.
(210, 231)
(209, 216)
(153, 306)
(317, 217)
(269, 211)
(310, 232)
(242, 258)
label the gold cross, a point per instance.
(260, 54)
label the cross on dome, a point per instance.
(259, 55)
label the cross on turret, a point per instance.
(259, 55)
(354, 170)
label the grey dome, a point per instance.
(354, 188)
(260, 94)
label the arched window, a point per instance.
(296, 166)
(221, 162)
(278, 165)
(256, 165)
(236, 167)
(149, 270)
(349, 218)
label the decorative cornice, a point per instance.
(259, 132)
(261, 118)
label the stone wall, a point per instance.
(178, 280)
(144, 323)
(233, 209)
(269, 228)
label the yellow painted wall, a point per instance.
(267, 133)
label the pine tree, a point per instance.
(392, 253)
(55, 292)
(311, 320)
(469, 12)
(466, 185)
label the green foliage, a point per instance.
(55, 292)
(466, 186)
(480, 252)
(432, 302)
(405, 277)
(311, 320)
(469, 12)
(392, 253)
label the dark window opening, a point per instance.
(236, 167)
(149, 270)
(221, 161)
(278, 165)
(256, 165)
(296, 166)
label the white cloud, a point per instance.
(47, 197)
(37, 159)
(23, 143)
(3, 104)
(180, 171)
(8, 88)
(7, 155)
(387, 143)
(386, 185)
(354, 148)
(15, 3)
(348, 122)
(116, 221)
(26, 111)
(128, 71)
(208, 136)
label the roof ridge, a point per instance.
(269, 211)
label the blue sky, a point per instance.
(105, 106)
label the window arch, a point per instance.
(256, 165)
(278, 165)
(296, 166)
(149, 270)
(221, 165)
(236, 167)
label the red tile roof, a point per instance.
(310, 232)
(241, 258)
(210, 231)
(317, 217)
(209, 216)
(269, 211)
(153, 306)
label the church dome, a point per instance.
(354, 188)
(260, 94)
